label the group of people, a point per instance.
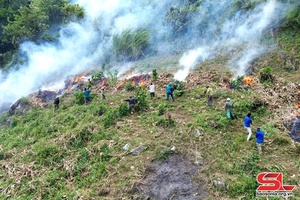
(169, 92)
(259, 134)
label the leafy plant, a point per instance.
(161, 109)
(129, 86)
(97, 76)
(112, 77)
(79, 97)
(131, 44)
(265, 75)
(123, 110)
(154, 75)
(142, 103)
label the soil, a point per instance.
(176, 178)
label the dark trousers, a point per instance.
(209, 100)
(170, 94)
(152, 94)
(131, 108)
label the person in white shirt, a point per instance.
(152, 90)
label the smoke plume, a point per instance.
(85, 45)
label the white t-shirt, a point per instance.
(152, 88)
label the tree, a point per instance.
(28, 23)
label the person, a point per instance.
(259, 139)
(209, 93)
(152, 90)
(56, 103)
(102, 92)
(228, 109)
(247, 125)
(87, 96)
(169, 91)
(131, 102)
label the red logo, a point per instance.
(272, 181)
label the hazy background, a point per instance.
(87, 44)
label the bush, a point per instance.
(101, 109)
(130, 45)
(79, 97)
(110, 118)
(129, 86)
(123, 110)
(265, 75)
(142, 103)
(154, 75)
(161, 109)
(97, 76)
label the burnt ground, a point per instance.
(175, 178)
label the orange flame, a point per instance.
(248, 80)
(121, 84)
(68, 89)
(79, 78)
(142, 83)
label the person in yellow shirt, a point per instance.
(209, 93)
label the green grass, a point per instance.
(77, 151)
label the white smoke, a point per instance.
(243, 30)
(189, 60)
(84, 45)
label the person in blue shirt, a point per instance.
(86, 94)
(247, 125)
(169, 91)
(259, 139)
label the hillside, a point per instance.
(248, 51)
(77, 152)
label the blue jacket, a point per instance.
(247, 121)
(86, 93)
(259, 136)
(169, 89)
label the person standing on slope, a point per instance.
(259, 139)
(152, 90)
(247, 125)
(86, 94)
(169, 91)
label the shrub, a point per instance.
(162, 154)
(79, 97)
(265, 75)
(130, 44)
(112, 77)
(97, 76)
(154, 75)
(129, 86)
(161, 109)
(142, 103)
(110, 118)
(123, 110)
(101, 109)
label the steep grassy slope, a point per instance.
(77, 152)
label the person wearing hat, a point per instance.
(209, 93)
(228, 109)
(169, 91)
(259, 139)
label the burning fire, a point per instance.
(79, 78)
(140, 80)
(248, 80)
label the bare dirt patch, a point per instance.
(176, 178)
